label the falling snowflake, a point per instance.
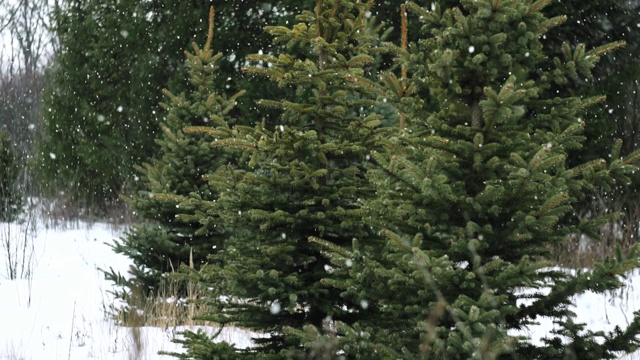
(275, 308)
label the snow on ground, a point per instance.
(58, 311)
(599, 312)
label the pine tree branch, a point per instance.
(550, 23)
(207, 45)
(601, 50)
(538, 5)
(552, 203)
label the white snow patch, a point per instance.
(59, 313)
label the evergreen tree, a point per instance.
(11, 196)
(472, 195)
(165, 242)
(102, 98)
(114, 57)
(102, 95)
(102, 110)
(617, 76)
(595, 23)
(304, 178)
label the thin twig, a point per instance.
(73, 319)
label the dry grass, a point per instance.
(584, 252)
(62, 213)
(168, 307)
(12, 353)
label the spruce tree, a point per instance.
(304, 177)
(472, 195)
(595, 23)
(164, 241)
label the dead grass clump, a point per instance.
(12, 352)
(168, 307)
(64, 213)
(584, 252)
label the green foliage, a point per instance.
(101, 105)
(596, 23)
(11, 195)
(201, 347)
(109, 58)
(303, 176)
(617, 77)
(472, 195)
(338, 237)
(171, 237)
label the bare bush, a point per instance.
(17, 245)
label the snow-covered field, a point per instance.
(57, 311)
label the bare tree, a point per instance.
(25, 30)
(29, 28)
(8, 15)
(26, 26)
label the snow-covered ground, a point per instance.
(58, 310)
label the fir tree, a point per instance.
(304, 178)
(165, 242)
(472, 195)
